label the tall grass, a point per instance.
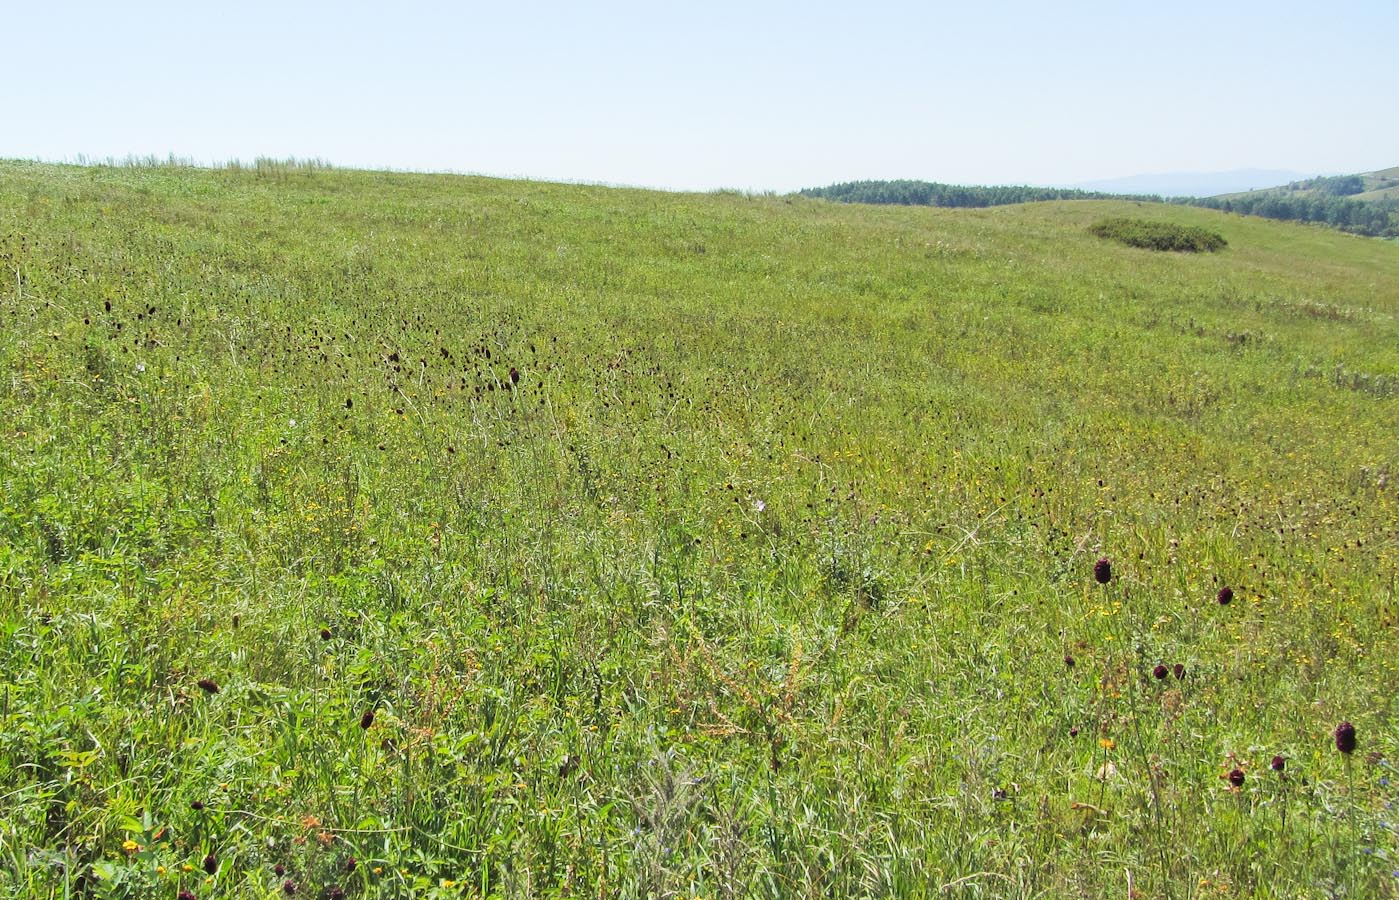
(564, 541)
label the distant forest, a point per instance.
(1326, 201)
(928, 193)
(1376, 218)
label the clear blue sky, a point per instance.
(713, 94)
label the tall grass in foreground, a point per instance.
(376, 535)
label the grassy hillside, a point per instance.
(1361, 204)
(1364, 204)
(378, 535)
(1379, 185)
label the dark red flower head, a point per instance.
(367, 719)
(1069, 661)
(185, 895)
(335, 892)
(1160, 671)
(1102, 571)
(211, 864)
(514, 375)
(1279, 763)
(209, 685)
(1178, 670)
(289, 887)
(196, 805)
(1345, 738)
(350, 864)
(1225, 596)
(1236, 777)
(279, 870)
(325, 634)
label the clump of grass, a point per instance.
(1159, 235)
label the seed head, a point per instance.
(1345, 738)
(1102, 571)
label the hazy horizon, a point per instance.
(778, 98)
(1165, 184)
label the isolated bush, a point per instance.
(1159, 235)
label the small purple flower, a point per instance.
(1345, 738)
(1102, 570)
(1225, 596)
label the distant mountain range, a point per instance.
(1196, 184)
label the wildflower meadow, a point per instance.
(387, 535)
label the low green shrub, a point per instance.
(1159, 235)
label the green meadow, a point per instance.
(391, 535)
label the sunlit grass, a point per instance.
(572, 541)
